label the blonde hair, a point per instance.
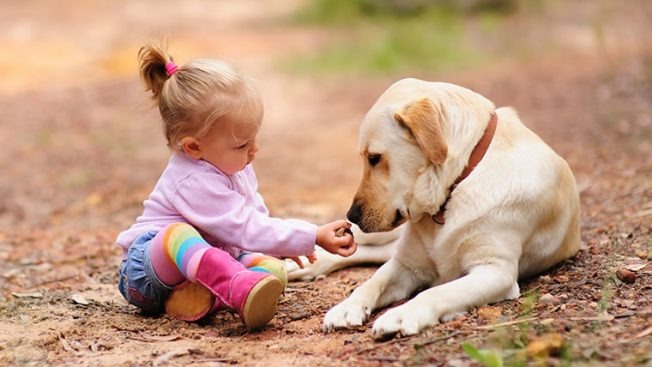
(197, 96)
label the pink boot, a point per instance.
(254, 295)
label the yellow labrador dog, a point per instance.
(481, 200)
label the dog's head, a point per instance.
(405, 132)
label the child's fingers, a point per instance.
(297, 260)
(340, 223)
(347, 250)
(312, 258)
(343, 232)
(344, 241)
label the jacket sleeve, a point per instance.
(259, 201)
(208, 203)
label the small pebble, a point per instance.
(549, 299)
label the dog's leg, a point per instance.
(483, 284)
(392, 282)
(373, 248)
(327, 263)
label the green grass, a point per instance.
(381, 37)
(508, 345)
(486, 357)
(346, 11)
(395, 46)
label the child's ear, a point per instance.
(191, 147)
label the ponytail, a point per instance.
(153, 72)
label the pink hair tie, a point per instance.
(170, 68)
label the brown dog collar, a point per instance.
(476, 156)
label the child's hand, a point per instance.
(311, 258)
(330, 240)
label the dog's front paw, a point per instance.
(403, 320)
(346, 314)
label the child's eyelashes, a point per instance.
(243, 146)
(247, 145)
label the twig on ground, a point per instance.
(27, 295)
(376, 346)
(383, 359)
(431, 341)
(643, 333)
(398, 340)
(606, 317)
(513, 322)
(154, 338)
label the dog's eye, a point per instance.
(373, 159)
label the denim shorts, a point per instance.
(137, 281)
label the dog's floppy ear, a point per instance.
(424, 122)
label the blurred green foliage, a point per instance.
(339, 11)
(385, 36)
(488, 358)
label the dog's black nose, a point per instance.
(354, 214)
(398, 217)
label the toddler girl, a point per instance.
(197, 246)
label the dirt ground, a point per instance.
(82, 149)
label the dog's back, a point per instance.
(548, 182)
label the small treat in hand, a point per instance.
(342, 231)
(333, 238)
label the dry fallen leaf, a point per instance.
(545, 345)
(68, 346)
(635, 267)
(490, 313)
(79, 299)
(626, 276)
(561, 278)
